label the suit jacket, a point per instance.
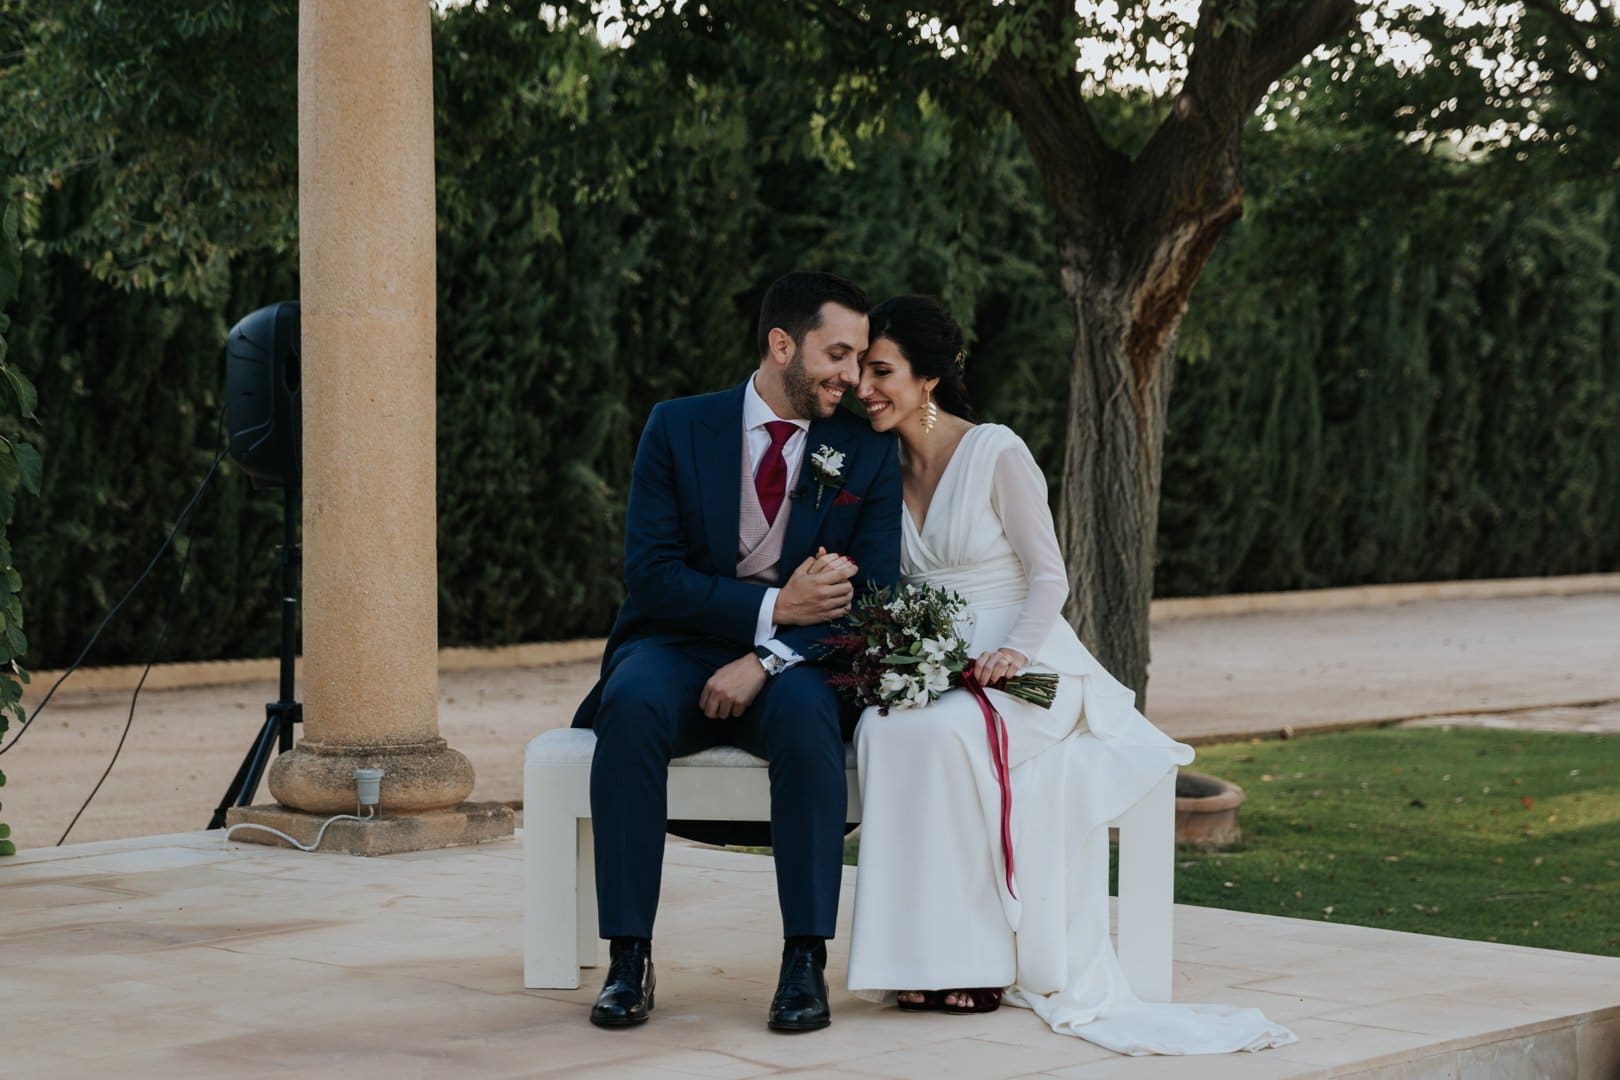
(680, 533)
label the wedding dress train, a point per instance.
(932, 910)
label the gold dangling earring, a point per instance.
(930, 412)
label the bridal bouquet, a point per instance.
(904, 650)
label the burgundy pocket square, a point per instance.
(847, 498)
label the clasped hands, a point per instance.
(818, 591)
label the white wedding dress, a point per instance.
(932, 910)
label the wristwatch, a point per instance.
(773, 664)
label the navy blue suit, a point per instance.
(685, 615)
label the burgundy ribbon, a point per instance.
(995, 728)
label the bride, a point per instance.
(935, 926)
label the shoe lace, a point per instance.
(801, 966)
(622, 968)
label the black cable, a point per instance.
(163, 635)
(220, 450)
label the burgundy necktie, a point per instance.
(770, 479)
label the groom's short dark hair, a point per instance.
(793, 303)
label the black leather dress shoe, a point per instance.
(627, 996)
(800, 1003)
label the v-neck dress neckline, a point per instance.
(939, 488)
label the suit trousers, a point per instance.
(649, 715)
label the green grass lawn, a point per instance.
(1493, 835)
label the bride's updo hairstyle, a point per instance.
(932, 344)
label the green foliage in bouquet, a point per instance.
(905, 647)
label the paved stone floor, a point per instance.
(185, 955)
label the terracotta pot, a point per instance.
(1206, 810)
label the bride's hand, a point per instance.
(818, 591)
(992, 667)
(832, 563)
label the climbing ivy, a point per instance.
(19, 468)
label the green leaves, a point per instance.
(182, 122)
(29, 465)
(19, 465)
(23, 389)
(10, 256)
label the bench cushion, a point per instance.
(576, 746)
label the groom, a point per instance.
(736, 499)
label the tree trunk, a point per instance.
(1109, 507)
(1126, 312)
(1133, 234)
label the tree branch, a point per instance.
(1288, 40)
(1217, 68)
(836, 17)
(1574, 30)
(1191, 167)
(832, 11)
(1195, 157)
(1075, 162)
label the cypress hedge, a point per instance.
(1388, 410)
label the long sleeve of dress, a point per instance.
(1018, 495)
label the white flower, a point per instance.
(936, 677)
(937, 649)
(893, 683)
(828, 462)
(828, 465)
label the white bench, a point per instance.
(727, 784)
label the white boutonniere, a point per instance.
(828, 465)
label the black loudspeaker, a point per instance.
(262, 395)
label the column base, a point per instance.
(468, 823)
(318, 778)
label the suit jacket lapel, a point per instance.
(717, 446)
(806, 519)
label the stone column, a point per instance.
(370, 585)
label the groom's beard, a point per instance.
(804, 390)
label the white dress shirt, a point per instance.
(756, 414)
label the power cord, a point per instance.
(219, 455)
(129, 721)
(163, 634)
(372, 816)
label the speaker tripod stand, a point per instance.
(284, 712)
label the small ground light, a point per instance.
(367, 790)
